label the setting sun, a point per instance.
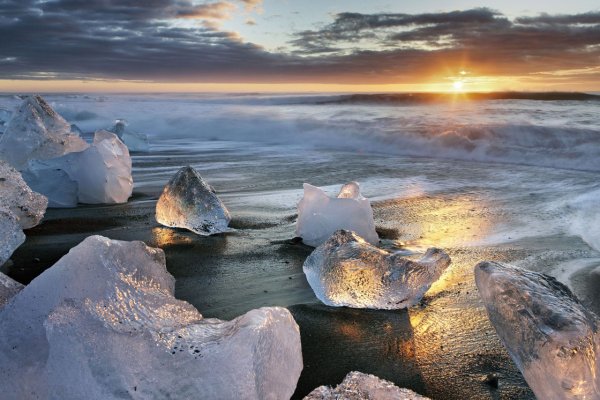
(458, 85)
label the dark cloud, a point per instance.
(132, 39)
(480, 37)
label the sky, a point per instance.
(298, 46)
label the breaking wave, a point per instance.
(558, 134)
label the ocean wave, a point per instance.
(584, 220)
(547, 134)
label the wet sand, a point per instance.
(443, 348)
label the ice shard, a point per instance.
(37, 132)
(102, 323)
(319, 216)
(8, 288)
(348, 271)
(26, 205)
(11, 234)
(135, 141)
(101, 174)
(550, 335)
(187, 201)
(359, 386)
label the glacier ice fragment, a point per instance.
(550, 335)
(360, 386)
(102, 174)
(56, 184)
(319, 216)
(27, 206)
(11, 234)
(187, 201)
(102, 323)
(135, 141)
(37, 132)
(8, 288)
(348, 271)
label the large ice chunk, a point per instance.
(102, 174)
(187, 201)
(102, 323)
(348, 271)
(27, 206)
(550, 335)
(319, 216)
(11, 234)
(135, 141)
(8, 288)
(359, 386)
(56, 184)
(37, 132)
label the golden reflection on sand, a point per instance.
(164, 237)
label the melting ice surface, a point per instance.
(187, 201)
(550, 335)
(8, 288)
(348, 271)
(100, 174)
(360, 386)
(135, 141)
(319, 216)
(20, 208)
(102, 323)
(27, 206)
(37, 132)
(11, 234)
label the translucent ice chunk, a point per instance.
(102, 323)
(348, 271)
(47, 177)
(8, 288)
(102, 174)
(27, 206)
(135, 141)
(187, 201)
(11, 234)
(319, 216)
(550, 335)
(359, 386)
(37, 132)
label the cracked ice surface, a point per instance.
(27, 206)
(101, 174)
(319, 216)
(8, 288)
(359, 386)
(11, 234)
(187, 201)
(102, 323)
(550, 335)
(348, 271)
(37, 132)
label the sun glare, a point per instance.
(457, 85)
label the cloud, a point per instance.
(482, 37)
(252, 5)
(151, 40)
(218, 10)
